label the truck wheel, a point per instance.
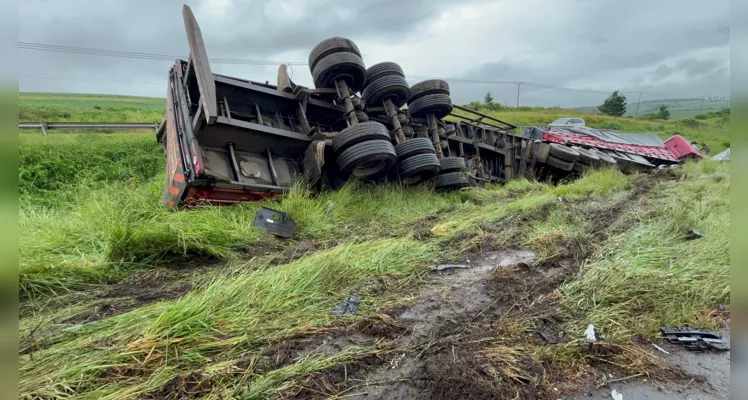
(579, 167)
(425, 88)
(452, 180)
(414, 146)
(542, 152)
(367, 159)
(340, 66)
(418, 168)
(391, 87)
(603, 157)
(586, 156)
(452, 164)
(330, 46)
(381, 70)
(358, 133)
(438, 104)
(563, 165)
(564, 153)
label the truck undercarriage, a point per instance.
(228, 139)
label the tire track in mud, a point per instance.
(442, 333)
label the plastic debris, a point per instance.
(660, 348)
(589, 333)
(275, 222)
(349, 306)
(450, 266)
(693, 235)
(616, 395)
(723, 156)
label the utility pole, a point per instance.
(519, 84)
(636, 113)
(702, 104)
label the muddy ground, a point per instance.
(436, 346)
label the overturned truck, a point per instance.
(228, 139)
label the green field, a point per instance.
(54, 107)
(123, 299)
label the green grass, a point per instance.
(90, 214)
(679, 108)
(651, 276)
(713, 131)
(51, 107)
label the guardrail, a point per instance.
(44, 126)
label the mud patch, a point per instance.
(192, 386)
(135, 291)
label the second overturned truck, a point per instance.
(228, 139)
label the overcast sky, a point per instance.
(666, 48)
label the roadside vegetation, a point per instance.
(123, 299)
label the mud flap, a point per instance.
(314, 159)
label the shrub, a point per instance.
(612, 126)
(690, 122)
(701, 116)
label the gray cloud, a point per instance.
(634, 46)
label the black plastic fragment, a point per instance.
(275, 222)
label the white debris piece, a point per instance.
(590, 333)
(616, 395)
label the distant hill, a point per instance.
(679, 108)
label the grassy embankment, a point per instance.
(90, 215)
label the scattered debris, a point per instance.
(660, 348)
(694, 338)
(349, 306)
(616, 395)
(723, 156)
(450, 266)
(590, 333)
(275, 222)
(693, 235)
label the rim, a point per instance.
(368, 168)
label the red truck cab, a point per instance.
(683, 150)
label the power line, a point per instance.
(163, 57)
(138, 55)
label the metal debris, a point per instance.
(694, 338)
(275, 222)
(660, 348)
(349, 306)
(616, 395)
(693, 235)
(450, 266)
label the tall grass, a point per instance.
(652, 276)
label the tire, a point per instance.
(340, 66)
(330, 46)
(585, 156)
(579, 167)
(425, 88)
(381, 70)
(563, 165)
(413, 147)
(542, 152)
(564, 153)
(452, 180)
(367, 159)
(438, 104)
(603, 157)
(418, 168)
(452, 164)
(392, 87)
(358, 133)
